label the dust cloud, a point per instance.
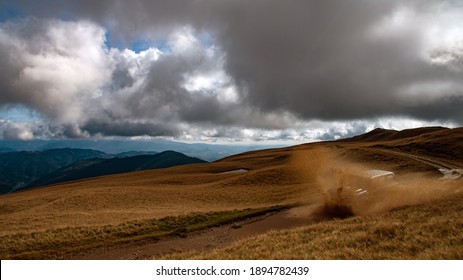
(346, 189)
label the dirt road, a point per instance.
(205, 239)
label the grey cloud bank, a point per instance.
(298, 70)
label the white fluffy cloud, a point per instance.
(56, 65)
(16, 130)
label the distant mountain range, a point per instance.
(25, 164)
(99, 167)
(135, 153)
(26, 169)
(208, 152)
(17, 169)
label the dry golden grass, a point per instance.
(37, 223)
(429, 224)
(60, 243)
(149, 194)
(427, 231)
(309, 174)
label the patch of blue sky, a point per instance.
(162, 45)
(141, 45)
(18, 113)
(112, 41)
(11, 11)
(206, 39)
(8, 13)
(67, 16)
(137, 45)
(65, 12)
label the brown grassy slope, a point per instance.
(413, 151)
(380, 134)
(84, 214)
(155, 194)
(427, 231)
(66, 242)
(301, 174)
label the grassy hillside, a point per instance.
(323, 176)
(441, 143)
(154, 194)
(380, 134)
(427, 231)
(63, 242)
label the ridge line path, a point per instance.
(431, 161)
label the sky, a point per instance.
(229, 71)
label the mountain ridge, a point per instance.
(208, 152)
(381, 134)
(18, 169)
(91, 168)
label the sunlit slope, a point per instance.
(416, 150)
(304, 174)
(426, 231)
(271, 180)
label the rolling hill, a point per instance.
(169, 213)
(134, 153)
(7, 150)
(18, 169)
(381, 134)
(100, 167)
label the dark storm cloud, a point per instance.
(325, 60)
(442, 109)
(315, 59)
(121, 78)
(312, 58)
(127, 128)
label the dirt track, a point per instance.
(426, 160)
(204, 240)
